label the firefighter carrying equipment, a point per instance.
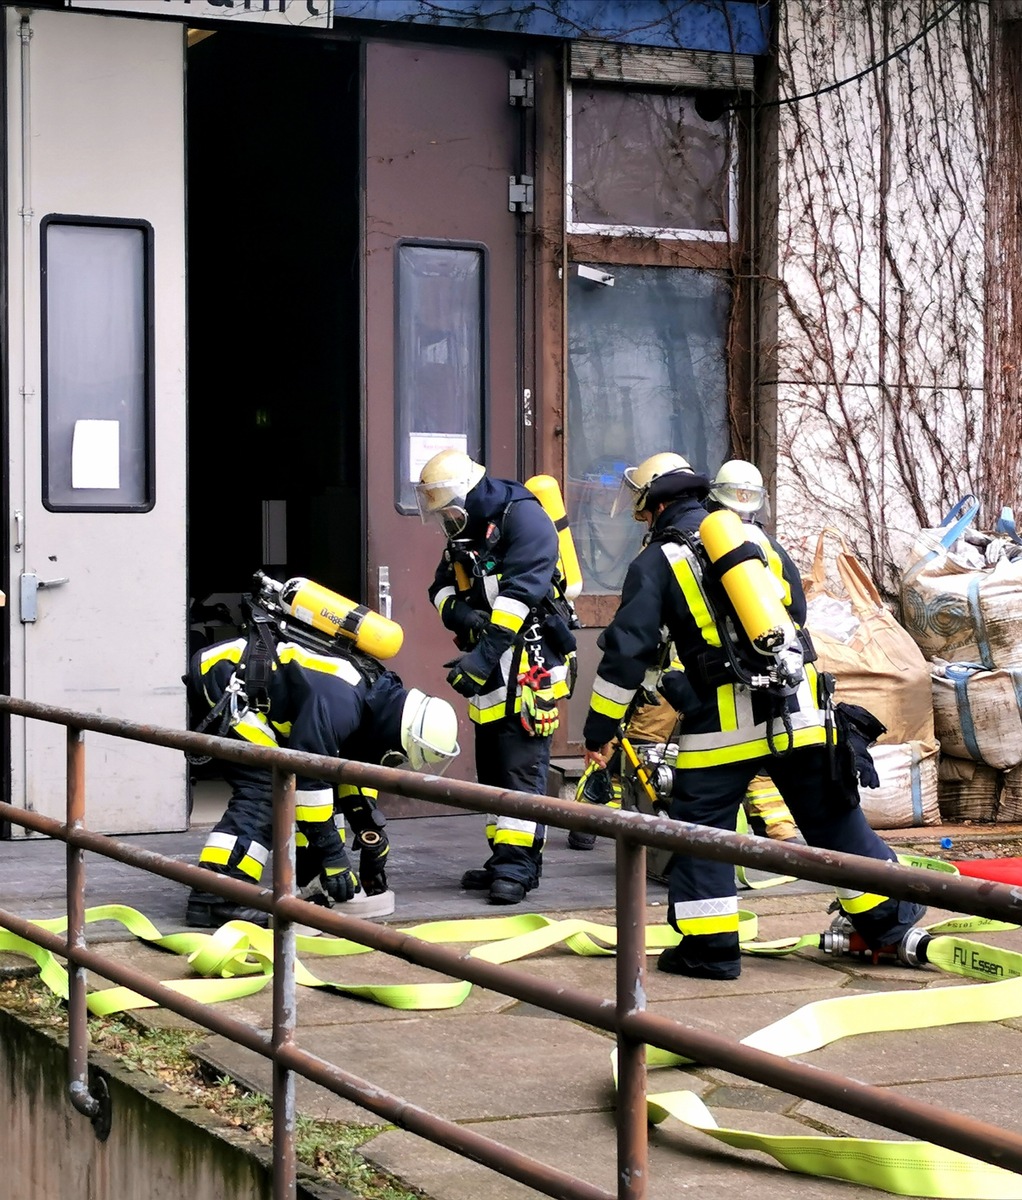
(337, 616)
(237, 961)
(510, 563)
(739, 563)
(547, 491)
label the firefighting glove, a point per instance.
(468, 674)
(374, 846)
(596, 787)
(857, 730)
(465, 622)
(339, 882)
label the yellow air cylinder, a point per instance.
(748, 584)
(546, 490)
(315, 605)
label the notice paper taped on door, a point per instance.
(96, 454)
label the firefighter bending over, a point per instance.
(343, 704)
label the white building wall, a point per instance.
(880, 265)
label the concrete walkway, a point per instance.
(542, 1083)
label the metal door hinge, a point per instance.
(521, 91)
(520, 194)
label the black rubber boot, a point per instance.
(206, 911)
(581, 841)
(674, 963)
(507, 891)
(478, 879)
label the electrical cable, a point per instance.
(832, 87)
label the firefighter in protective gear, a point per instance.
(726, 736)
(738, 486)
(498, 590)
(344, 706)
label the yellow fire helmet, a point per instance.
(444, 483)
(636, 481)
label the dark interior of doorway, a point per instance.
(273, 316)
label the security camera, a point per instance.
(595, 276)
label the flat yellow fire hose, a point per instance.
(237, 960)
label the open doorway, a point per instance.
(273, 318)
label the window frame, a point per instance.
(148, 351)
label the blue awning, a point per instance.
(722, 26)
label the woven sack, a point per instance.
(876, 663)
(1009, 804)
(977, 713)
(955, 611)
(967, 790)
(907, 795)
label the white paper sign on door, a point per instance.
(96, 454)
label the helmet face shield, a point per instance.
(628, 494)
(740, 499)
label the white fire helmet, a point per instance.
(636, 481)
(739, 487)
(444, 483)
(429, 733)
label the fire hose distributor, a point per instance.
(841, 939)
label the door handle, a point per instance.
(30, 585)
(383, 590)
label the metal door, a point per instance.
(95, 381)
(444, 145)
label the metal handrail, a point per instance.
(625, 1016)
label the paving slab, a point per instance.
(681, 1161)
(479, 1068)
(979, 1097)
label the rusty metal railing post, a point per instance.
(284, 987)
(95, 1107)
(630, 977)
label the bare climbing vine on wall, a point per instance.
(894, 348)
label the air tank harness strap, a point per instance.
(259, 658)
(714, 570)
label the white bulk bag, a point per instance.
(977, 713)
(907, 795)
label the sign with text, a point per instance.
(312, 14)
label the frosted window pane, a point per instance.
(439, 367)
(95, 359)
(647, 372)
(647, 160)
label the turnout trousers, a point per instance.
(702, 896)
(508, 757)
